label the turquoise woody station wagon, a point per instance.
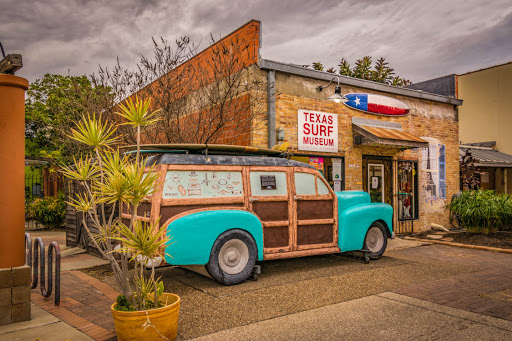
(226, 212)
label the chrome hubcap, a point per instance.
(233, 256)
(374, 239)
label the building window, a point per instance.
(408, 190)
(199, 184)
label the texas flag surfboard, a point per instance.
(377, 104)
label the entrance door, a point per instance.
(377, 178)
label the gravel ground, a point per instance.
(293, 285)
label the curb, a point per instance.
(466, 246)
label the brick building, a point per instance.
(409, 161)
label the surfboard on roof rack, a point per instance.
(212, 149)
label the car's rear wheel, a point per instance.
(232, 257)
(376, 240)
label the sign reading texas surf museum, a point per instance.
(317, 131)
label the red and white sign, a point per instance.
(317, 131)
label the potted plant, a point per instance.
(112, 183)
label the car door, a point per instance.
(316, 209)
(270, 200)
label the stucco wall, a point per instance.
(485, 114)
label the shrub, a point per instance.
(48, 211)
(483, 211)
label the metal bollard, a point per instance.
(33, 257)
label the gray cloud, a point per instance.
(420, 39)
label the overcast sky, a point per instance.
(420, 39)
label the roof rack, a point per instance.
(206, 149)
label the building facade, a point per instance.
(410, 160)
(484, 119)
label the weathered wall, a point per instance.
(211, 92)
(485, 114)
(426, 119)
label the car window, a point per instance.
(305, 184)
(268, 183)
(322, 188)
(200, 184)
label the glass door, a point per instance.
(376, 182)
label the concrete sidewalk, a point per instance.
(385, 316)
(64, 322)
(43, 326)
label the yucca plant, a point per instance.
(111, 180)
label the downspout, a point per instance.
(271, 105)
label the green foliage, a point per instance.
(111, 179)
(48, 211)
(123, 304)
(483, 211)
(381, 72)
(318, 66)
(137, 113)
(53, 104)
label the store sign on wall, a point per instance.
(317, 131)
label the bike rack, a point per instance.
(34, 263)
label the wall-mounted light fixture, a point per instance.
(11, 63)
(337, 96)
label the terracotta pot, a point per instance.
(154, 324)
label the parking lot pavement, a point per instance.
(408, 286)
(385, 316)
(295, 285)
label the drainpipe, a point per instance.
(271, 105)
(12, 172)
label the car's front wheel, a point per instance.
(376, 240)
(232, 257)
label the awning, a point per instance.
(487, 157)
(371, 132)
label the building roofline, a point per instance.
(266, 64)
(485, 68)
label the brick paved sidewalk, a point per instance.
(85, 304)
(487, 291)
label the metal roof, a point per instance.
(487, 156)
(386, 133)
(231, 160)
(393, 134)
(351, 81)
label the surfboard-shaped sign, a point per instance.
(376, 104)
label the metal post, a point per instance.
(271, 104)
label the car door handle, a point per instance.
(253, 199)
(297, 198)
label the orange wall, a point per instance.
(248, 37)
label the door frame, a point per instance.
(389, 173)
